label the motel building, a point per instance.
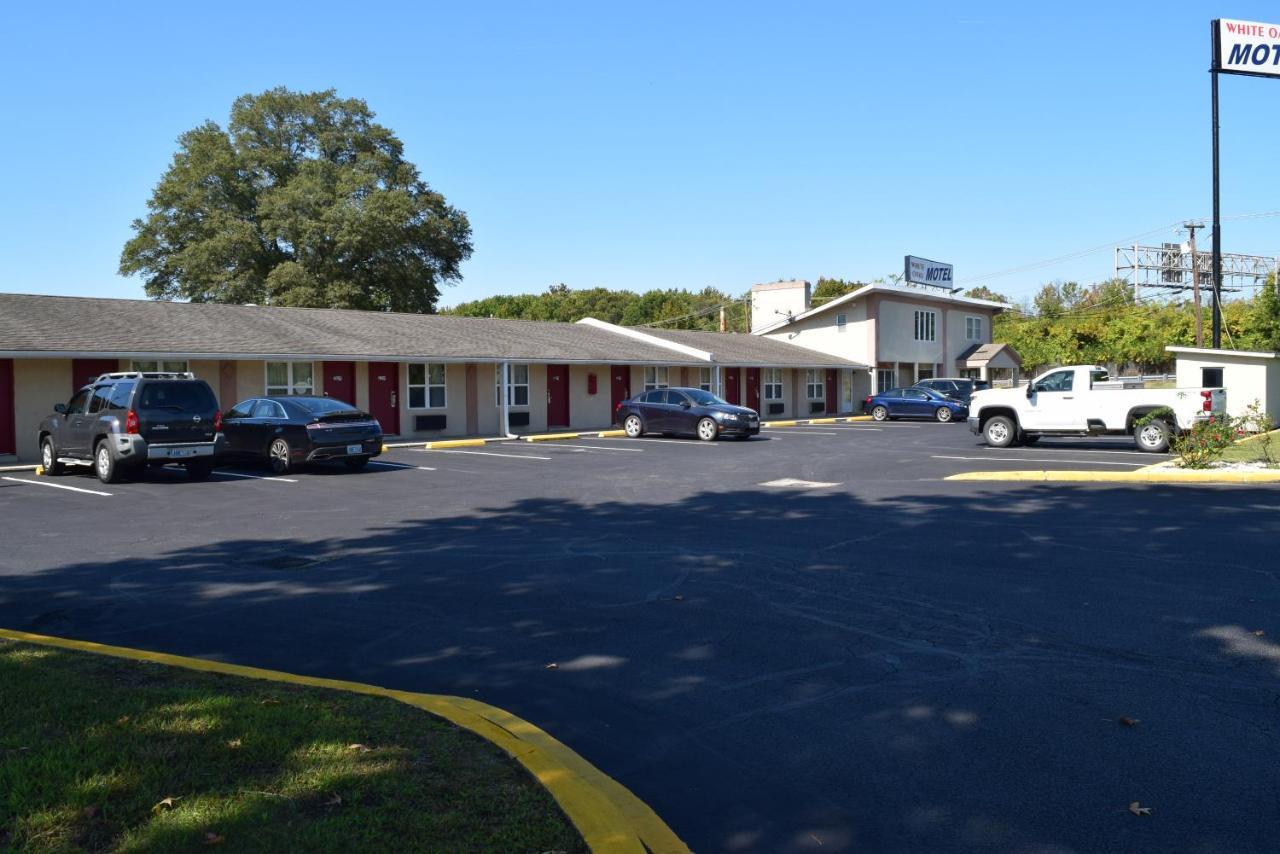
(427, 377)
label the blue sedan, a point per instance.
(914, 403)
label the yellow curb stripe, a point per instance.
(550, 437)
(454, 443)
(609, 817)
(858, 418)
(1140, 476)
(778, 423)
(608, 434)
(822, 421)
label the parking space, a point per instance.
(803, 639)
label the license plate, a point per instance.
(355, 449)
(182, 452)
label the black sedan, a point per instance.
(686, 411)
(915, 403)
(288, 432)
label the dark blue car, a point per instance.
(686, 411)
(914, 403)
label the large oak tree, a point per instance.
(304, 200)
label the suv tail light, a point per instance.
(131, 422)
(217, 421)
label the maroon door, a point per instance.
(731, 385)
(384, 398)
(85, 371)
(753, 388)
(833, 398)
(557, 395)
(619, 387)
(8, 438)
(339, 381)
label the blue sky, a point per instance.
(668, 145)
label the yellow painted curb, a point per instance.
(609, 817)
(550, 437)
(39, 471)
(778, 423)
(609, 434)
(858, 418)
(385, 449)
(822, 421)
(454, 443)
(1149, 475)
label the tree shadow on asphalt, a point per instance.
(793, 670)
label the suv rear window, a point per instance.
(120, 395)
(177, 396)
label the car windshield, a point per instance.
(177, 396)
(704, 398)
(323, 405)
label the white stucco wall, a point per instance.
(1246, 379)
(821, 333)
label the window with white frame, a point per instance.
(146, 366)
(517, 385)
(815, 385)
(426, 385)
(290, 378)
(704, 379)
(773, 383)
(973, 328)
(885, 379)
(655, 376)
(842, 322)
(926, 325)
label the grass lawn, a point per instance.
(1252, 450)
(99, 753)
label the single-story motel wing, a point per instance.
(434, 376)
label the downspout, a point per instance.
(506, 395)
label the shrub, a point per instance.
(1260, 423)
(1202, 445)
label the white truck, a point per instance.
(1081, 400)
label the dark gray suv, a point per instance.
(121, 422)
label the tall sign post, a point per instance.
(1239, 47)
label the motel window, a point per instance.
(815, 384)
(655, 376)
(973, 329)
(704, 379)
(926, 325)
(842, 322)
(178, 367)
(885, 379)
(517, 385)
(773, 383)
(426, 386)
(285, 378)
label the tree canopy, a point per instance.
(674, 308)
(304, 200)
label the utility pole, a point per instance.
(1195, 280)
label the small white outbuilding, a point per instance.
(1247, 376)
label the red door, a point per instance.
(619, 387)
(85, 371)
(557, 395)
(753, 388)
(8, 438)
(731, 385)
(384, 398)
(339, 381)
(833, 398)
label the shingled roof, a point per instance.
(57, 326)
(733, 348)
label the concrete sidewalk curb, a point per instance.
(551, 437)
(800, 422)
(445, 443)
(1147, 475)
(31, 467)
(609, 817)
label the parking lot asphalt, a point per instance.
(806, 641)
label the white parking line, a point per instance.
(1044, 448)
(58, 486)
(480, 453)
(801, 432)
(255, 476)
(688, 443)
(1035, 460)
(399, 465)
(551, 445)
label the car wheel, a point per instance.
(278, 454)
(1152, 437)
(356, 463)
(49, 458)
(633, 427)
(199, 469)
(104, 464)
(707, 430)
(943, 415)
(999, 431)
(880, 413)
